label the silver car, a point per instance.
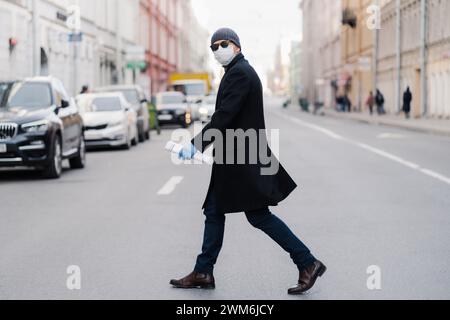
(135, 95)
(109, 120)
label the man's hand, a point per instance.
(187, 153)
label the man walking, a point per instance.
(242, 187)
(407, 98)
(379, 100)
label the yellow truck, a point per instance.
(195, 86)
(191, 84)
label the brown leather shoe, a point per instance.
(308, 278)
(195, 281)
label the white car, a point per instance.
(207, 108)
(109, 120)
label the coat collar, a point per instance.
(236, 59)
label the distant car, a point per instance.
(195, 91)
(136, 97)
(207, 108)
(172, 108)
(40, 126)
(109, 120)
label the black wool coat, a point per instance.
(242, 186)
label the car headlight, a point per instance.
(37, 126)
(203, 111)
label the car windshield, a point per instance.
(30, 95)
(172, 99)
(104, 104)
(191, 89)
(132, 96)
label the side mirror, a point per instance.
(198, 101)
(65, 104)
(144, 101)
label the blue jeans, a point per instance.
(263, 220)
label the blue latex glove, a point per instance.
(187, 153)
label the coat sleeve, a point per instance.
(236, 90)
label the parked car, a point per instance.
(109, 120)
(136, 97)
(40, 127)
(173, 108)
(207, 108)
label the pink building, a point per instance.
(159, 35)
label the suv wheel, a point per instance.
(79, 161)
(54, 169)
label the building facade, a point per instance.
(411, 48)
(295, 72)
(40, 33)
(34, 40)
(357, 47)
(409, 71)
(159, 33)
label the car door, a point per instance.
(130, 115)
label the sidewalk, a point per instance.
(431, 126)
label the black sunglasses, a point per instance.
(223, 44)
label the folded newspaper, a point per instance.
(176, 148)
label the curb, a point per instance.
(393, 124)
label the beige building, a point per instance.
(357, 44)
(437, 62)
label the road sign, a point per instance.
(136, 65)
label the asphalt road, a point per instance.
(132, 221)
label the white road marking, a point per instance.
(390, 136)
(329, 133)
(435, 175)
(387, 155)
(170, 186)
(369, 148)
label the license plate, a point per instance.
(2, 148)
(165, 117)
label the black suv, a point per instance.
(40, 126)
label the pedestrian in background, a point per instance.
(407, 98)
(238, 188)
(84, 89)
(379, 101)
(370, 102)
(347, 104)
(339, 103)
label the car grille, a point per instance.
(100, 127)
(7, 131)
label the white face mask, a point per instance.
(225, 55)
